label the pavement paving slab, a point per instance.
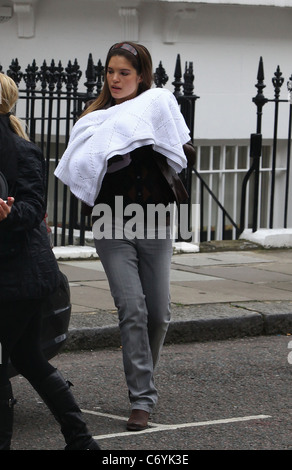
(214, 294)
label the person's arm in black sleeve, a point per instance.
(28, 209)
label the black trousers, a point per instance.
(20, 329)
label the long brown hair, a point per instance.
(8, 98)
(142, 63)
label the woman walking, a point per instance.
(124, 155)
(29, 272)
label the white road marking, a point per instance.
(154, 427)
(106, 415)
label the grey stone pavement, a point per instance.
(216, 294)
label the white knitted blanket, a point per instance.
(152, 118)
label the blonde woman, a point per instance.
(28, 273)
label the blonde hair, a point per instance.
(142, 63)
(8, 98)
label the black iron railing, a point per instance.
(53, 97)
(53, 102)
(256, 151)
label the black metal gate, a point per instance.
(50, 104)
(256, 152)
(53, 97)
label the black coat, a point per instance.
(28, 268)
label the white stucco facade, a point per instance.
(223, 39)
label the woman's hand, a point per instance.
(5, 208)
(190, 153)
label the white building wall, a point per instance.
(223, 39)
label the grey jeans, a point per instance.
(138, 272)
